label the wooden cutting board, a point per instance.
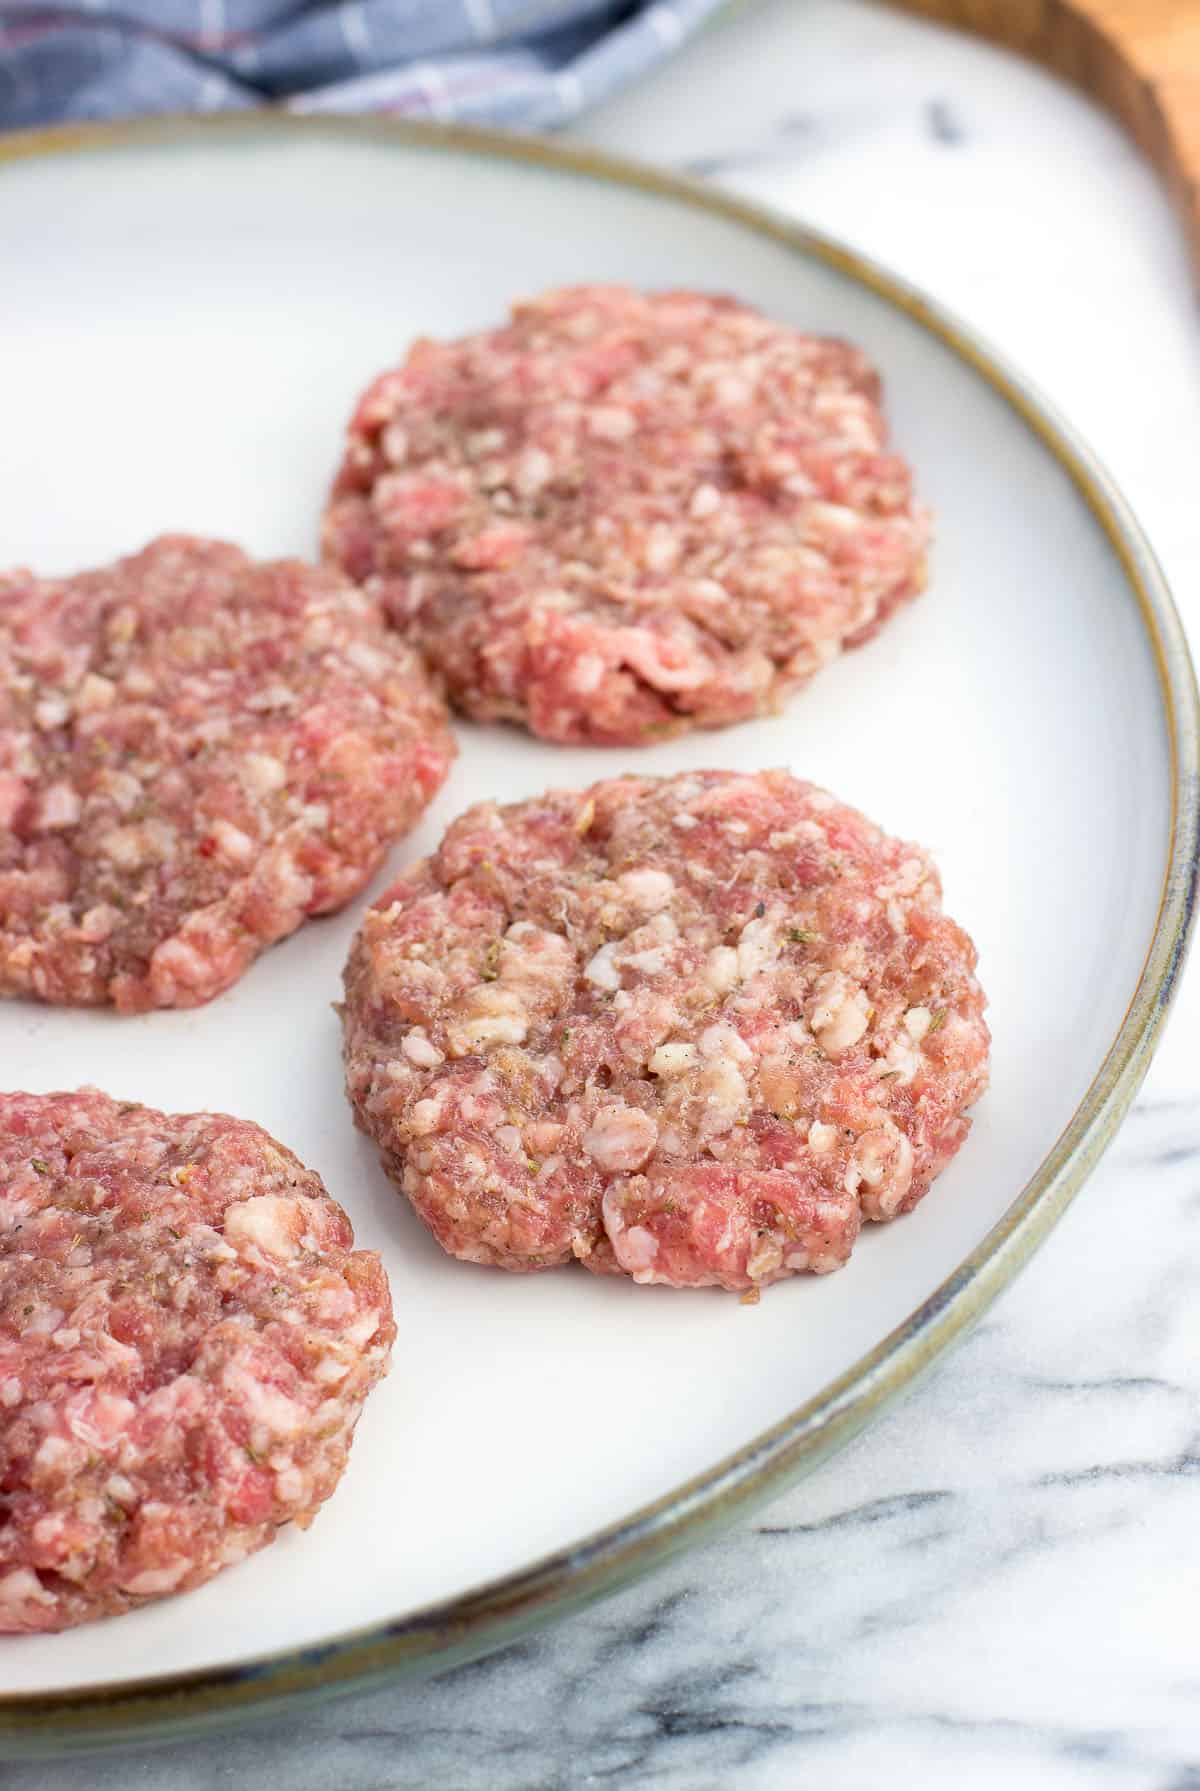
(1139, 58)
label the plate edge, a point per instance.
(487, 1617)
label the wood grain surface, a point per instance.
(1139, 58)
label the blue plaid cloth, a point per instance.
(531, 63)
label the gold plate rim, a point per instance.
(430, 1640)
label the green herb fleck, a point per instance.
(491, 962)
(801, 936)
(39, 1166)
(938, 1021)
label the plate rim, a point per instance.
(451, 1631)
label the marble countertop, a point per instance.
(998, 1584)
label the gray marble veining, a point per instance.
(998, 1585)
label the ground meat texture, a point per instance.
(689, 1029)
(196, 752)
(186, 1341)
(623, 515)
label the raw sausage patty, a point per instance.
(186, 1340)
(691, 1029)
(196, 752)
(626, 514)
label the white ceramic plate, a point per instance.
(188, 315)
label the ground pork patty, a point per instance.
(196, 752)
(622, 515)
(186, 1341)
(691, 1029)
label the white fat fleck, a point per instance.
(705, 499)
(497, 1017)
(60, 807)
(684, 822)
(587, 673)
(839, 1014)
(905, 882)
(620, 1137)
(821, 1138)
(887, 1166)
(765, 1258)
(424, 1116)
(723, 1091)
(234, 846)
(721, 969)
(262, 1403)
(22, 1586)
(611, 423)
(420, 1049)
(757, 947)
(275, 696)
(917, 1022)
(394, 442)
(732, 389)
(51, 712)
(363, 1328)
(264, 773)
(367, 659)
(673, 1059)
(649, 962)
(126, 846)
(532, 470)
(290, 1486)
(99, 922)
(329, 1371)
(484, 441)
(649, 890)
(724, 1041)
(901, 1061)
(267, 1222)
(94, 693)
(155, 1579)
(122, 788)
(44, 1321)
(600, 968)
(55, 1453)
(639, 1247)
(832, 519)
(662, 549)
(10, 1391)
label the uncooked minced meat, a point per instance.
(625, 514)
(196, 752)
(692, 1029)
(186, 1339)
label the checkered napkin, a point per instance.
(528, 63)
